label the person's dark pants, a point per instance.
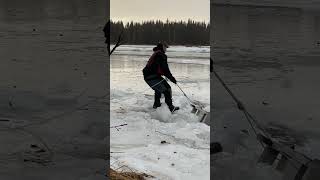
(160, 86)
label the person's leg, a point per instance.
(158, 87)
(168, 97)
(157, 96)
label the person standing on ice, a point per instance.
(156, 67)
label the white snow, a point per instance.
(185, 153)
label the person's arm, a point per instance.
(166, 71)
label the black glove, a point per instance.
(240, 106)
(173, 80)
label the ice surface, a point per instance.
(185, 152)
(52, 62)
(177, 54)
(274, 63)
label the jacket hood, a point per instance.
(157, 48)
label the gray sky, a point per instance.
(139, 10)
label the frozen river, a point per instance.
(269, 56)
(53, 62)
(185, 155)
(190, 66)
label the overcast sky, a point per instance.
(139, 10)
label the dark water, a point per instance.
(250, 32)
(53, 60)
(41, 36)
(269, 56)
(311, 4)
(12, 11)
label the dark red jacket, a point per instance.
(157, 66)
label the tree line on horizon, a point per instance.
(189, 33)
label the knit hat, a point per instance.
(160, 46)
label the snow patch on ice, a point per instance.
(156, 142)
(162, 114)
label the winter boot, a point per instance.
(156, 105)
(173, 108)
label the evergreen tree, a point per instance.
(190, 33)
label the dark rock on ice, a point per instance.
(245, 131)
(265, 103)
(164, 142)
(215, 147)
